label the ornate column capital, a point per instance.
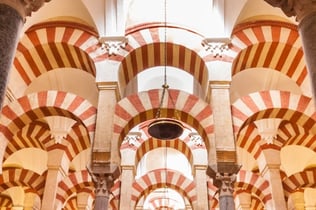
(103, 177)
(25, 7)
(298, 8)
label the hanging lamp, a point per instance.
(165, 128)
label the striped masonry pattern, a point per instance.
(79, 181)
(143, 106)
(152, 144)
(255, 202)
(55, 45)
(160, 178)
(152, 55)
(35, 106)
(302, 179)
(22, 177)
(270, 44)
(255, 184)
(274, 104)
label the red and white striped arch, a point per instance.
(306, 178)
(270, 45)
(152, 144)
(14, 177)
(160, 178)
(256, 203)
(250, 140)
(294, 134)
(77, 141)
(255, 184)
(33, 135)
(79, 181)
(141, 107)
(35, 106)
(146, 48)
(52, 45)
(274, 104)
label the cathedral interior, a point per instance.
(88, 78)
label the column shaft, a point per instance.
(11, 23)
(269, 165)
(54, 175)
(127, 177)
(58, 164)
(200, 178)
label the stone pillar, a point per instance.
(223, 124)
(127, 177)
(269, 165)
(12, 17)
(84, 201)
(101, 149)
(305, 12)
(58, 165)
(128, 154)
(226, 168)
(104, 168)
(297, 201)
(309, 198)
(32, 202)
(269, 160)
(200, 179)
(244, 201)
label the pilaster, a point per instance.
(128, 176)
(244, 201)
(200, 178)
(108, 96)
(270, 170)
(84, 201)
(58, 165)
(297, 200)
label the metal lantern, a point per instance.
(165, 129)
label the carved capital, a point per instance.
(216, 46)
(112, 45)
(298, 8)
(103, 177)
(25, 7)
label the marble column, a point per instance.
(305, 13)
(103, 176)
(12, 17)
